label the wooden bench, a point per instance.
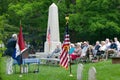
(50, 61)
(115, 60)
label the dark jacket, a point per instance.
(113, 46)
(10, 47)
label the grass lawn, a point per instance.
(105, 71)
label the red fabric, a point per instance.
(21, 42)
(73, 56)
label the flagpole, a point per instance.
(20, 57)
(67, 22)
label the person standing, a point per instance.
(11, 44)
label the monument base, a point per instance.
(49, 48)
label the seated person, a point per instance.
(96, 48)
(89, 52)
(102, 48)
(85, 48)
(57, 50)
(113, 45)
(112, 49)
(77, 52)
(72, 48)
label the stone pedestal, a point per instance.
(115, 60)
(52, 29)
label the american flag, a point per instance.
(48, 35)
(65, 48)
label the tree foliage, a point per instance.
(89, 19)
(94, 19)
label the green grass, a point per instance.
(105, 71)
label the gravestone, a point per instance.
(79, 71)
(52, 30)
(92, 74)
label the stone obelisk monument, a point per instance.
(52, 36)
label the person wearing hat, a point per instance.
(11, 44)
(77, 52)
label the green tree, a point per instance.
(89, 19)
(94, 19)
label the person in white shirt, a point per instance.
(117, 43)
(107, 43)
(9, 53)
(102, 50)
(103, 46)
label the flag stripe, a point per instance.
(63, 56)
(65, 60)
(63, 51)
(65, 63)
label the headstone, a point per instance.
(92, 74)
(79, 71)
(53, 28)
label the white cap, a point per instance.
(14, 35)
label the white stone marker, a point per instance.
(79, 71)
(53, 26)
(92, 74)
